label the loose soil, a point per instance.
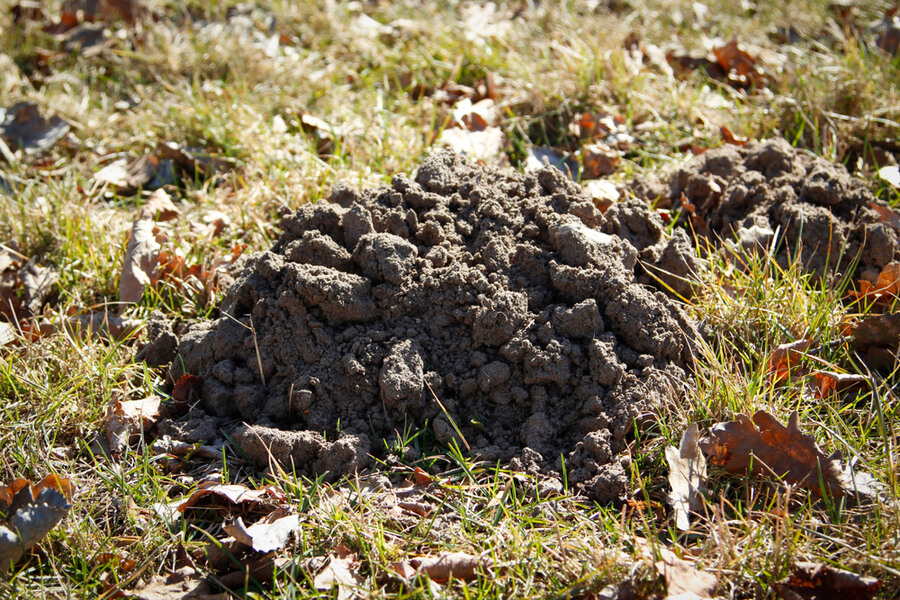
(773, 197)
(486, 304)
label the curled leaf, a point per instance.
(687, 473)
(139, 266)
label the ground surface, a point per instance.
(521, 345)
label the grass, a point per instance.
(210, 75)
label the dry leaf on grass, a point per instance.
(212, 494)
(785, 357)
(826, 383)
(23, 128)
(886, 289)
(159, 207)
(166, 164)
(817, 581)
(340, 572)
(458, 565)
(598, 160)
(876, 340)
(31, 512)
(485, 145)
(129, 418)
(683, 579)
(476, 116)
(266, 535)
(763, 446)
(139, 265)
(687, 473)
(538, 157)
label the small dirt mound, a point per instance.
(770, 195)
(494, 292)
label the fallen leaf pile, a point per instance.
(30, 511)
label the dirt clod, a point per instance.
(769, 195)
(497, 293)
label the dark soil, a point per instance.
(494, 292)
(769, 196)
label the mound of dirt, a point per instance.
(769, 195)
(486, 304)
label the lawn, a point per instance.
(150, 149)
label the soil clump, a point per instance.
(495, 308)
(769, 196)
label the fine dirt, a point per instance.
(767, 195)
(469, 298)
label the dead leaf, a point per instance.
(421, 478)
(876, 339)
(166, 164)
(87, 39)
(827, 383)
(340, 573)
(78, 11)
(326, 136)
(886, 289)
(763, 446)
(588, 126)
(139, 265)
(26, 10)
(266, 535)
(7, 334)
(259, 570)
(739, 65)
(817, 581)
(23, 128)
(458, 565)
(416, 508)
(683, 579)
(538, 157)
(31, 512)
(888, 39)
(891, 174)
(687, 474)
(785, 357)
(130, 418)
(186, 387)
(159, 207)
(485, 146)
(732, 139)
(598, 160)
(211, 493)
(887, 215)
(603, 193)
(476, 116)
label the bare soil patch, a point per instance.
(479, 301)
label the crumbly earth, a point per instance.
(486, 304)
(769, 195)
